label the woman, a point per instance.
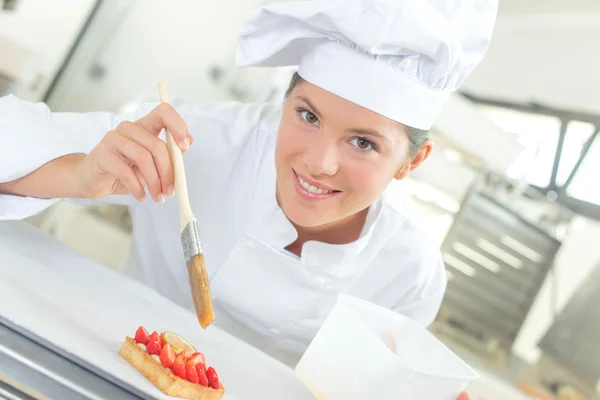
(290, 201)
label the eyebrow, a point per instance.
(311, 105)
(370, 132)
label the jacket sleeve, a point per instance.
(32, 135)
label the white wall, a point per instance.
(549, 58)
(154, 40)
(47, 29)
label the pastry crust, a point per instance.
(163, 378)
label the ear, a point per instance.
(416, 161)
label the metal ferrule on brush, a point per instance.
(190, 240)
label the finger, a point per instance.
(114, 165)
(463, 396)
(165, 117)
(157, 148)
(139, 176)
(143, 161)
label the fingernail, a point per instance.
(171, 190)
(185, 144)
(143, 198)
(161, 199)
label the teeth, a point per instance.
(312, 188)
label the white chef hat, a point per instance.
(399, 58)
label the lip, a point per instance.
(310, 195)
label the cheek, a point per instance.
(290, 143)
(368, 178)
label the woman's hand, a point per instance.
(132, 157)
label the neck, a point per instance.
(342, 231)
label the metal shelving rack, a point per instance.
(497, 260)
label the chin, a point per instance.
(307, 214)
(302, 216)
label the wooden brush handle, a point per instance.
(185, 211)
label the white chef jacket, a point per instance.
(263, 294)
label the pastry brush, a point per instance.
(190, 238)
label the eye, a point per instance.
(363, 144)
(309, 117)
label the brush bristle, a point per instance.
(201, 291)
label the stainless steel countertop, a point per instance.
(29, 370)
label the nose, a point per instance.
(322, 158)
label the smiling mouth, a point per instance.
(314, 188)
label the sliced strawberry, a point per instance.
(213, 378)
(191, 373)
(162, 339)
(202, 378)
(154, 344)
(195, 359)
(167, 356)
(183, 353)
(179, 366)
(190, 366)
(142, 335)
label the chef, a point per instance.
(291, 200)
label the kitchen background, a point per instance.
(511, 193)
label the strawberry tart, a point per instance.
(172, 365)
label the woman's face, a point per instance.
(334, 158)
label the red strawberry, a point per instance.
(167, 356)
(195, 359)
(202, 379)
(154, 344)
(191, 373)
(183, 353)
(142, 335)
(162, 339)
(190, 366)
(179, 366)
(213, 378)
